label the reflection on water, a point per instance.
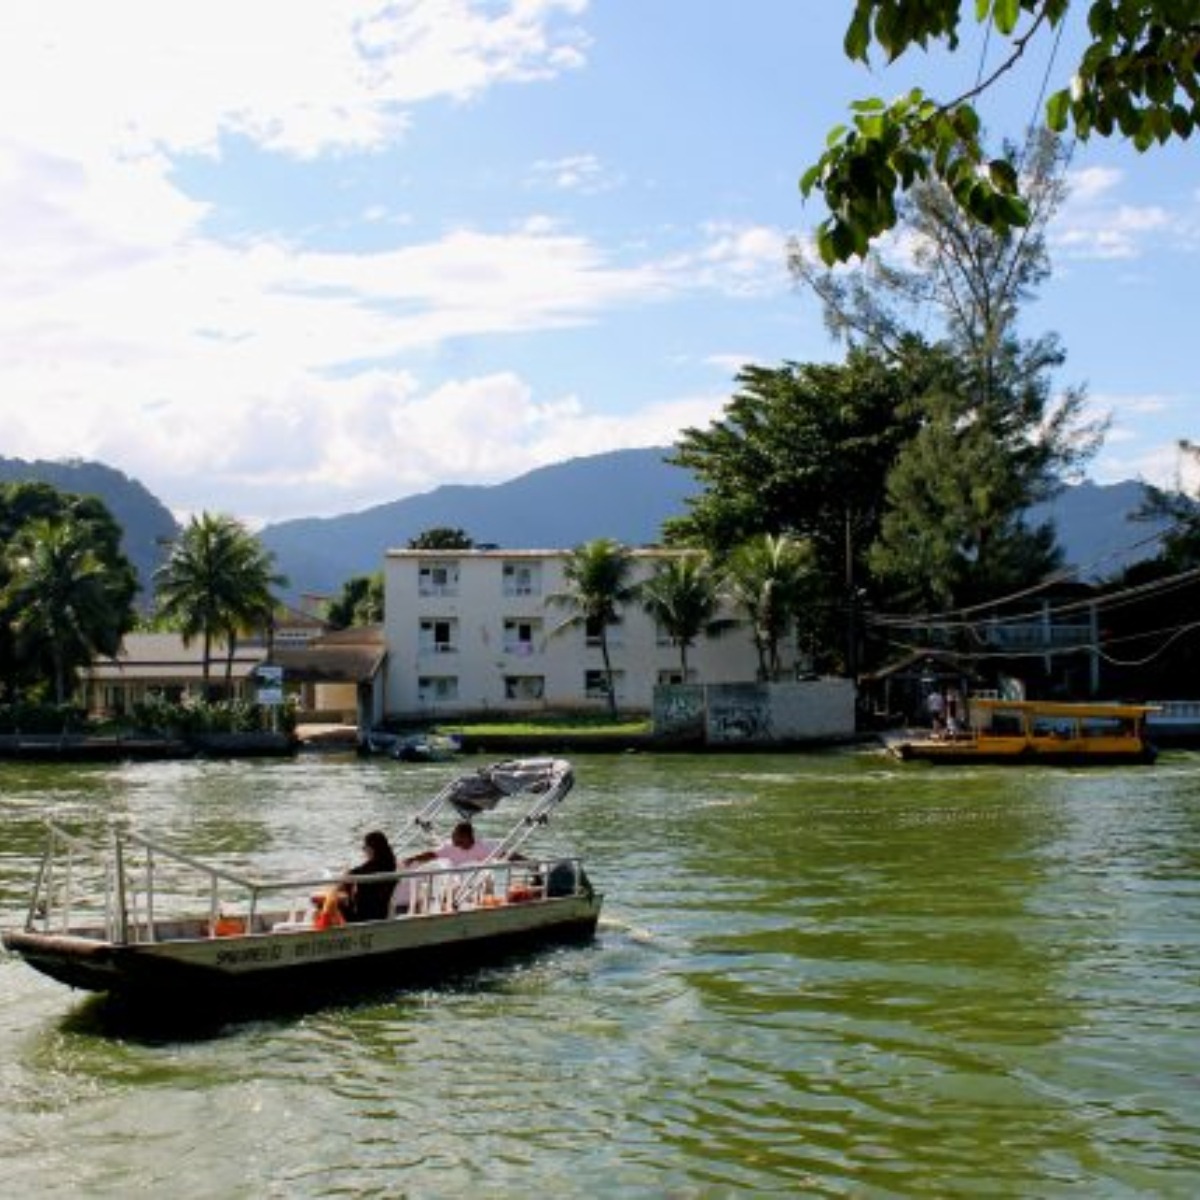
(814, 975)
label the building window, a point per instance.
(592, 627)
(661, 636)
(438, 579)
(673, 675)
(437, 689)
(522, 579)
(521, 635)
(438, 637)
(524, 687)
(595, 684)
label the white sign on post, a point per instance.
(270, 686)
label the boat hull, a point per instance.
(297, 966)
(1021, 754)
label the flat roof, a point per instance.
(635, 551)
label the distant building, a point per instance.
(338, 676)
(477, 631)
(324, 672)
(159, 665)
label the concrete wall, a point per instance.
(742, 714)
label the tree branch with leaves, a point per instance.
(1136, 78)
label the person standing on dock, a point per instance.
(935, 706)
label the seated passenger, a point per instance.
(370, 901)
(462, 848)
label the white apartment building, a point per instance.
(473, 631)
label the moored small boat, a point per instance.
(415, 747)
(1037, 731)
(151, 924)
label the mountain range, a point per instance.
(624, 494)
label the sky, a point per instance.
(288, 258)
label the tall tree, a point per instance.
(360, 602)
(771, 579)
(1135, 77)
(682, 596)
(441, 537)
(1151, 618)
(22, 504)
(991, 440)
(216, 580)
(599, 583)
(972, 280)
(65, 603)
(955, 532)
(1181, 545)
(251, 605)
(801, 450)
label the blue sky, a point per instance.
(285, 258)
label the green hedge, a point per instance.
(170, 719)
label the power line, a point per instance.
(1175, 632)
(1105, 600)
(959, 616)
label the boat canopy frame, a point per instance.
(130, 913)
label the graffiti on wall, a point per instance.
(744, 716)
(679, 710)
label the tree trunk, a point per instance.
(60, 678)
(229, 666)
(205, 665)
(608, 673)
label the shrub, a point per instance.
(24, 716)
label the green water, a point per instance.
(816, 976)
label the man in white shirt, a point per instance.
(462, 848)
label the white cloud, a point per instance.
(1090, 184)
(297, 76)
(1119, 234)
(1092, 225)
(260, 377)
(583, 173)
(205, 360)
(379, 436)
(738, 259)
(730, 364)
(1161, 464)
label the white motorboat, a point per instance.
(149, 923)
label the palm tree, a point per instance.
(216, 581)
(598, 575)
(63, 598)
(253, 605)
(769, 579)
(682, 597)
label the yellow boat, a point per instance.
(1037, 731)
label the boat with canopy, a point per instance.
(1036, 731)
(149, 922)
